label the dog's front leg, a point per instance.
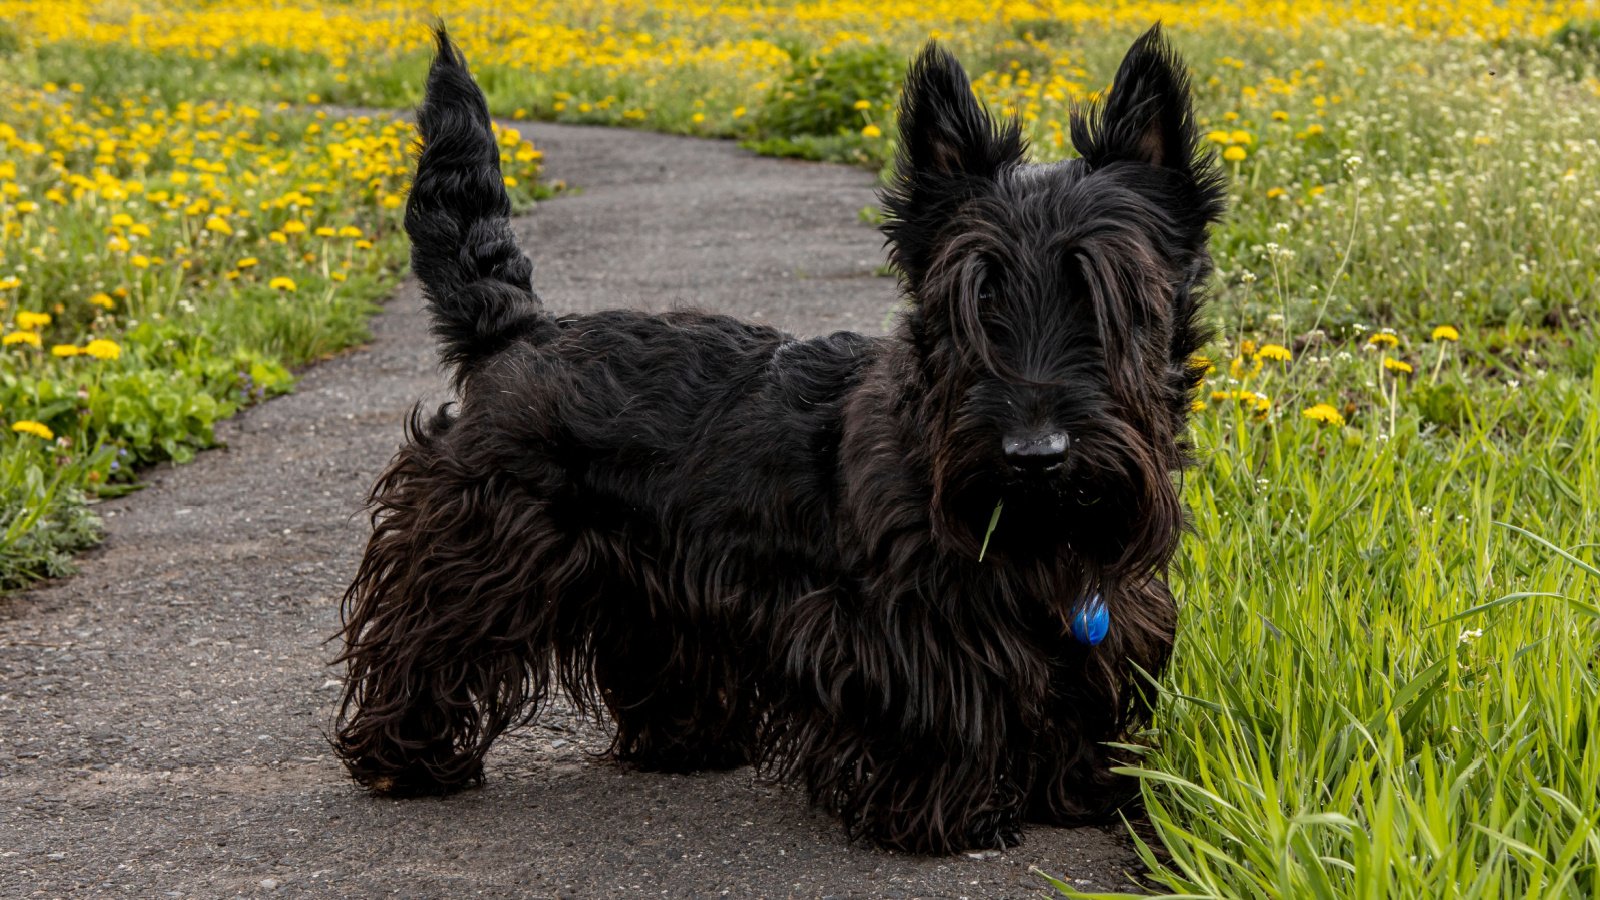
(896, 729)
(1101, 695)
(923, 799)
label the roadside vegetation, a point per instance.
(1386, 677)
(163, 263)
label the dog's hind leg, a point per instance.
(444, 624)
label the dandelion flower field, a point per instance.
(1378, 691)
(164, 264)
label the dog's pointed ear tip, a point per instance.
(1154, 36)
(933, 65)
(1153, 50)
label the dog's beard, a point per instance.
(1110, 508)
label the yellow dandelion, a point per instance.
(325, 231)
(1324, 413)
(293, 226)
(349, 231)
(1383, 339)
(102, 300)
(1234, 154)
(32, 321)
(281, 283)
(1446, 333)
(1274, 352)
(140, 261)
(278, 237)
(863, 104)
(219, 225)
(249, 262)
(27, 206)
(390, 201)
(872, 131)
(64, 350)
(102, 349)
(1257, 403)
(1241, 368)
(31, 338)
(363, 245)
(122, 220)
(37, 429)
(1397, 365)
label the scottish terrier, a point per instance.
(921, 575)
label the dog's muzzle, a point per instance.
(1034, 452)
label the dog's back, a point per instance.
(620, 400)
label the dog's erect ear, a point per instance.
(950, 147)
(944, 132)
(1146, 116)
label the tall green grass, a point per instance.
(1385, 681)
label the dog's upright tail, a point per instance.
(478, 282)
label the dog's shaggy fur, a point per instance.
(748, 547)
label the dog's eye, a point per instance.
(985, 293)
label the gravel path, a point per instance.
(162, 714)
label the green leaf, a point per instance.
(994, 519)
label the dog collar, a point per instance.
(1091, 621)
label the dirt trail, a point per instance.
(161, 713)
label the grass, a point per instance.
(1385, 683)
(1386, 675)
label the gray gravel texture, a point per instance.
(162, 714)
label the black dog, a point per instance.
(875, 566)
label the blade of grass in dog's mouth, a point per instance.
(994, 519)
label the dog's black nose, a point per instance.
(1039, 451)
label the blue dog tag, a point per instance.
(1091, 622)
